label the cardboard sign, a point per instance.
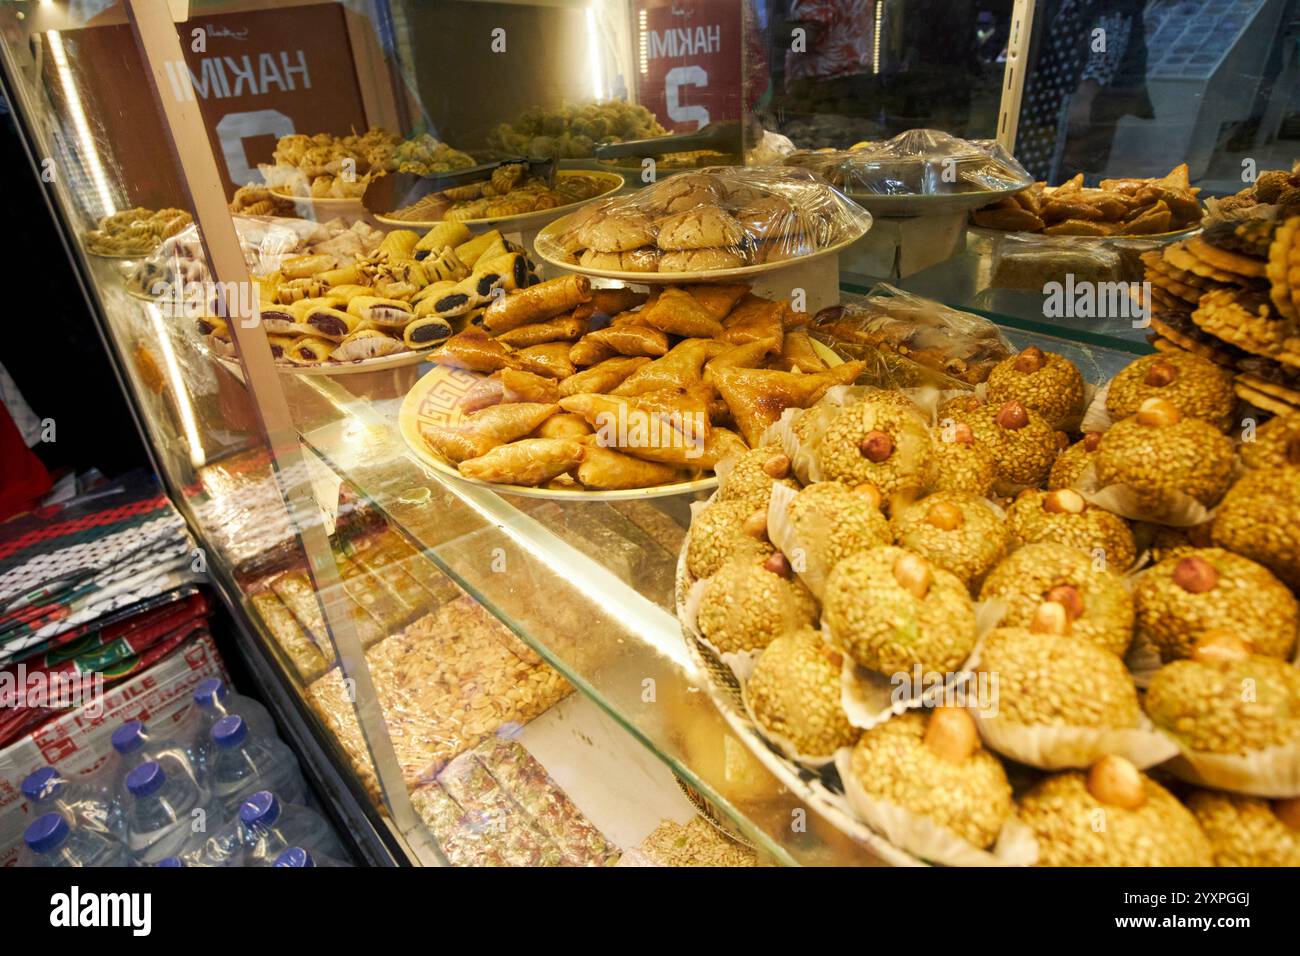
(256, 75)
(691, 54)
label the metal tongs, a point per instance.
(395, 191)
(723, 137)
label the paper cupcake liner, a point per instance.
(1179, 511)
(1062, 748)
(1272, 772)
(782, 742)
(1096, 418)
(803, 550)
(870, 698)
(923, 837)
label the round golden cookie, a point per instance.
(1175, 339)
(617, 232)
(1226, 259)
(1178, 256)
(705, 227)
(1279, 254)
(1281, 392)
(700, 260)
(1241, 319)
(1260, 400)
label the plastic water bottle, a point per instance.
(87, 801)
(213, 699)
(135, 745)
(268, 827)
(244, 762)
(50, 840)
(223, 848)
(297, 856)
(170, 861)
(160, 812)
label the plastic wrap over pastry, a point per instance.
(1030, 262)
(919, 162)
(912, 341)
(719, 218)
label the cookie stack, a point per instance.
(1226, 295)
(716, 219)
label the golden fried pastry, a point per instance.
(719, 300)
(602, 377)
(755, 319)
(509, 385)
(682, 367)
(677, 312)
(551, 359)
(757, 397)
(532, 461)
(563, 425)
(564, 328)
(618, 340)
(475, 435)
(542, 301)
(606, 469)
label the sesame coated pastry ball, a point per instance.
(1064, 517)
(881, 443)
(1194, 385)
(1259, 518)
(959, 409)
(1113, 815)
(890, 609)
(960, 465)
(750, 603)
(1163, 456)
(1023, 445)
(1276, 444)
(958, 532)
(932, 764)
(838, 522)
(794, 692)
(752, 476)
(1207, 589)
(723, 529)
(1225, 699)
(1071, 464)
(1248, 831)
(1044, 381)
(1047, 677)
(1099, 605)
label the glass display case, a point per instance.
(501, 676)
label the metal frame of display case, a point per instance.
(452, 542)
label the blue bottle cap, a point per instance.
(46, 832)
(262, 809)
(212, 689)
(42, 784)
(146, 779)
(130, 736)
(229, 731)
(294, 856)
(170, 861)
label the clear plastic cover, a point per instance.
(911, 341)
(919, 162)
(717, 219)
(1031, 261)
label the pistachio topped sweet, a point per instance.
(837, 521)
(1022, 443)
(1225, 699)
(961, 533)
(752, 476)
(878, 442)
(1194, 385)
(1071, 464)
(890, 609)
(1208, 589)
(1044, 381)
(723, 529)
(1064, 517)
(794, 693)
(1164, 456)
(1047, 677)
(751, 602)
(1259, 517)
(1099, 605)
(1276, 444)
(1248, 831)
(933, 765)
(960, 464)
(1113, 815)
